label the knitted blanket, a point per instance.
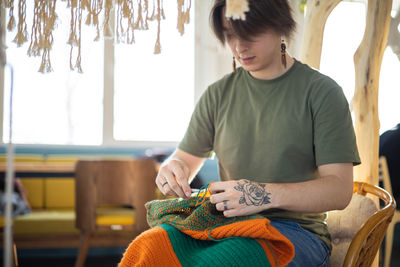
(193, 233)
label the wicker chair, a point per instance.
(366, 243)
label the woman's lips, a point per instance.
(246, 60)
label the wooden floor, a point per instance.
(98, 257)
(105, 257)
(94, 261)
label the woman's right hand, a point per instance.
(173, 178)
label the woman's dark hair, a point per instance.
(263, 15)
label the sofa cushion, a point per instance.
(62, 221)
(115, 216)
(46, 222)
(59, 193)
(34, 188)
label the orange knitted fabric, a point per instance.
(200, 220)
(152, 248)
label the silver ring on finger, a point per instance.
(164, 184)
(225, 204)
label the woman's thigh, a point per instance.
(310, 251)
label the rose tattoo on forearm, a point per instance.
(254, 194)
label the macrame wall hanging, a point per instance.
(130, 15)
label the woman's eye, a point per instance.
(228, 36)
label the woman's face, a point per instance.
(257, 56)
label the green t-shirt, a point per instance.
(274, 131)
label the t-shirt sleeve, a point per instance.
(199, 137)
(334, 137)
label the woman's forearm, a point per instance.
(333, 190)
(319, 195)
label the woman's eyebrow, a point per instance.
(227, 30)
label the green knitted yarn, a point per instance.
(189, 214)
(237, 251)
(199, 214)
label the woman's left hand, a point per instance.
(240, 197)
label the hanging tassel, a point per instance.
(140, 21)
(157, 47)
(44, 19)
(153, 13)
(96, 8)
(22, 34)
(162, 10)
(107, 31)
(72, 40)
(88, 19)
(33, 49)
(78, 57)
(75, 34)
(49, 17)
(183, 15)
(130, 31)
(11, 22)
(146, 8)
(119, 29)
(42, 32)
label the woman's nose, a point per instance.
(240, 46)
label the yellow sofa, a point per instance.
(52, 201)
(52, 220)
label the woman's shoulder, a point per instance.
(226, 83)
(315, 76)
(317, 82)
(228, 79)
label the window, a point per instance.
(152, 95)
(61, 107)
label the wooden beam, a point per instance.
(317, 13)
(367, 61)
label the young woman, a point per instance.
(281, 130)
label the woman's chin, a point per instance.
(249, 67)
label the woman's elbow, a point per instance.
(345, 198)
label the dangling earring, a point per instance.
(283, 53)
(234, 64)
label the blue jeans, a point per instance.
(310, 251)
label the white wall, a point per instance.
(212, 61)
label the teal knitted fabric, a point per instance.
(237, 251)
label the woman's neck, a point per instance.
(274, 70)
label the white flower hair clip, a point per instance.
(236, 9)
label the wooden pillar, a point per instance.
(367, 61)
(314, 24)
